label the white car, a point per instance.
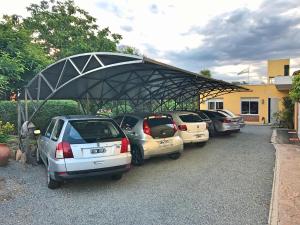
(191, 128)
(81, 146)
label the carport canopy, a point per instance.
(110, 76)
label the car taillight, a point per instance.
(207, 125)
(226, 120)
(63, 150)
(182, 127)
(146, 127)
(124, 145)
(174, 126)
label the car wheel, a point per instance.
(201, 144)
(175, 156)
(213, 132)
(117, 176)
(52, 184)
(137, 156)
(38, 156)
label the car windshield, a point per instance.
(91, 131)
(190, 118)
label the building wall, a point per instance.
(232, 101)
(276, 67)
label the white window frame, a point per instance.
(250, 100)
(215, 101)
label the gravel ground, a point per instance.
(228, 181)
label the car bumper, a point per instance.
(229, 128)
(80, 167)
(60, 176)
(242, 125)
(153, 147)
(194, 137)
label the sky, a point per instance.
(224, 36)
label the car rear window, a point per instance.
(203, 115)
(91, 131)
(161, 127)
(153, 122)
(214, 114)
(190, 118)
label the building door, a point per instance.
(273, 107)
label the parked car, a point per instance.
(233, 116)
(221, 123)
(151, 134)
(191, 128)
(81, 146)
(204, 118)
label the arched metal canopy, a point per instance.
(114, 76)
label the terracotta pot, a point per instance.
(4, 154)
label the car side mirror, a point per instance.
(37, 132)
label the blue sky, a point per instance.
(223, 36)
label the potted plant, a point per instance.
(5, 130)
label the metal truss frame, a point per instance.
(146, 82)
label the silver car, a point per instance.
(233, 116)
(151, 135)
(80, 146)
(221, 123)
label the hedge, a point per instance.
(8, 111)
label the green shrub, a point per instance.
(285, 117)
(8, 111)
(295, 90)
(5, 130)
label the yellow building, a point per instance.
(259, 104)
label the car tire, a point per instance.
(175, 155)
(38, 156)
(52, 184)
(117, 176)
(213, 131)
(137, 156)
(201, 144)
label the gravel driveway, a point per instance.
(228, 181)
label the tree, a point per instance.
(64, 29)
(20, 58)
(205, 73)
(129, 50)
(295, 90)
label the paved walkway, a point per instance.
(285, 209)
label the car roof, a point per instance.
(81, 117)
(180, 112)
(142, 114)
(212, 111)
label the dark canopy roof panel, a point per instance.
(114, 76)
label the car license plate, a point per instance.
(165, 142)
(98, 150)
(198, 135)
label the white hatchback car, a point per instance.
(81, 146)
(191, 128)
